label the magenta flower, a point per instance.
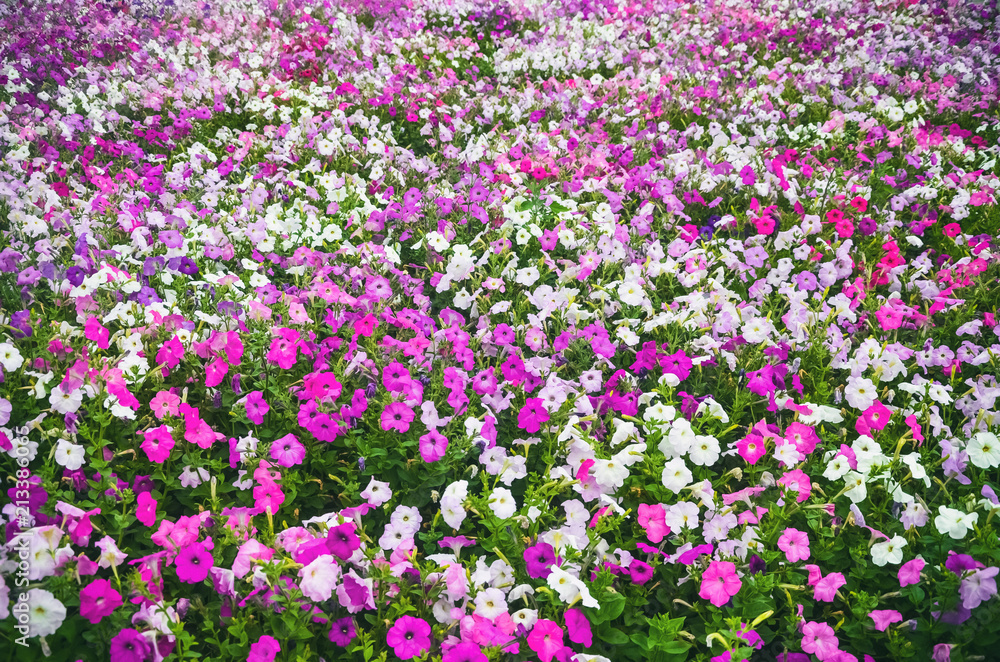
(256, 407)
(342, 541)
(877, 416)
(433, 446)
(130, 646)
(284, 350)
(98, 600)
(751, 448)
(532, 415)
(719, 583)
(465, 652)
(909, 572)
(264, 649)
(819, 639)
(397, 416)
(215, 372)
(578, 627)
(193, 563)
(288, 451)
(145, 510)
(640, 572)
(157, 443)
(539, 559)
(170, 353)
(396, 377)
(795, 545)
(546, 639)
(342, 631)
(409, 637)
(94, 331)
(884, 618)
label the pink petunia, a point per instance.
(193, 563)
(751, 448)
(799, 481)
(264, 649)
(909, 572)
(826, 588)
(409, 637)
(653, 519)
(163, 403)
(94, 331)
(250, 551)
(145, 510)
(284, 349)
(719, 583)
(215, 372)
(803, 436)
(820, 640)
(877, 416)
(433, 446)
(795, 545)
(170, 353)
(546, 639)
(578, 627)
(98, 600)
(256, 407)
(288, 451)
(884, 618)
(157, 443)
(397, 416)
(532, 415)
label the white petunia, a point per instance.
(45, 613)
(570, 589)
(676, 475)
(984, 450)
(502, 503)
(888, 551)
(704, 451)
(954, 523)
(10, 358)
(490, 603)
(69, 455)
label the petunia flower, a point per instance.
(538, 559)
(342, 631)
(795, 545)
(342, 541)
(288, 451)
(532, 415)
(397, 416)
(98, 599)
(884, 618)
(265, 649)
(546, 639)
(719, 583)
(409, 637)
(256, 407)
(145, 510)
(130, 646)
(193, 563)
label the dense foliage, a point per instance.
(466, 331)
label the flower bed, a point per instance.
(457, 331)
